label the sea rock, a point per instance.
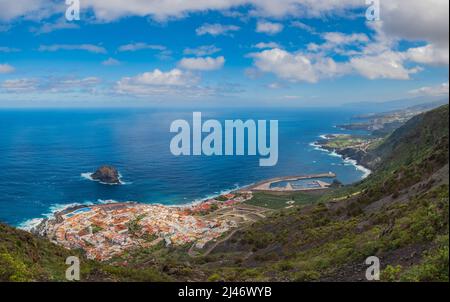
(107, 174)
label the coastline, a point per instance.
(106, 230)
(336, 153)
(32, 223)
(70, 225)
(54, 209)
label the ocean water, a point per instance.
(45, 153)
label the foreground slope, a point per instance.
(26, 257)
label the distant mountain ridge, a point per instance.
(422, 102)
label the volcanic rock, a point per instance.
(107, 174)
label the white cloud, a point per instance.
(163, 52)
(165, 9)
(10, 10)
(429, 54)
(303, 26)
(430, 18)
(265, 45)
(307, 67)
(291, 97)
(423, 21)
(8, 49)
(82, 81)
(377, 58)
(72, 84)
(269, 28)
(253, 72)
(337, 38)
(297, 67)
(275, 85)
(174, 77)
(204, 64)
(48, 27)
(140, 46)
(340, 43)
(303, 8)
(216, 29)
(85, 47)
(175, 82)
(160, 10)
(50, 85)
(205, 50)
(157, 82)
(313, 47)
(285, 65)
(439, 90)
(6, 68)
(111, 62)
(386, 65)
(373, 59)
(417, 20)
(19, 85)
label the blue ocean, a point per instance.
(46, 153)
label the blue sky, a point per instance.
(221, 53)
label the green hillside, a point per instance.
(399, 214)
(413, 141)
(25, 257)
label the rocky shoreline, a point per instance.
(356, 152)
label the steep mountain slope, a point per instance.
(410, 142)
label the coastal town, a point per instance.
(107, 230)
(104, 231)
